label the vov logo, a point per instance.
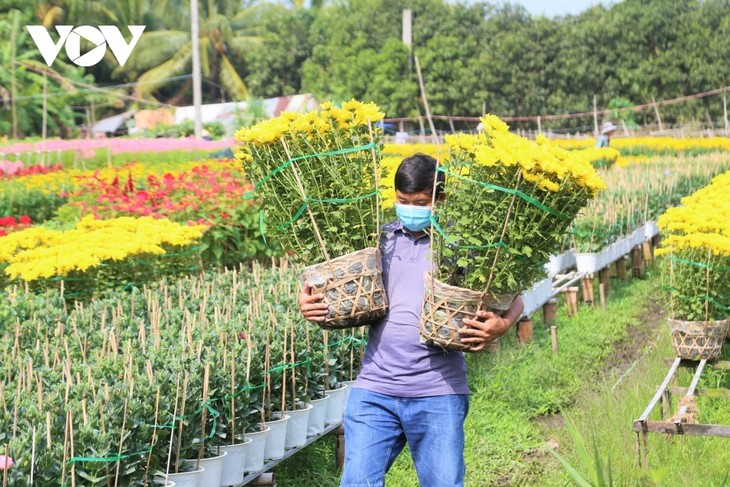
(71, 37)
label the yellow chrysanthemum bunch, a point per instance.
(540, 162)
(312, 125)
(315, 173)
(703, 220)
(43, 253)
(696, 246)
(509, 201)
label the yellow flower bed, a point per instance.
(652, 143)
(42, 253)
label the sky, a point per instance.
(551, 8)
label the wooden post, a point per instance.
(339, 433)
(550, 311)
(602, 291)
(603, 279)
(648, 253)
(656, 111)
(656, 240)
(587, 287)
(637, 267)
(525, 329)
(554, 338)
(571, 299)
(621, 268)
(267, 479)
(434, 136)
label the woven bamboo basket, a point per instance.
(446, 306)
(697, 340)
(352, 286)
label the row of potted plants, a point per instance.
(625, 213)
(127, 387)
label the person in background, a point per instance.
(604, 140)
(408, 391)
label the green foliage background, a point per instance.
(475, 56)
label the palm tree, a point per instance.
(225, 35)
(53, 12)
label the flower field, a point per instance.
(166, 257)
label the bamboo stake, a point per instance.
(180, 427)
(267, 378)
(501, 238)
(303, 194)
(283, 376)
(154, 433)
(172, 430)
(121, 442)
(233, 400)
(48, 430)
(71, 442)
(32, 457)
(204, 415)
(293, 359)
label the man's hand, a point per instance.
(485, 329)
(311, 305)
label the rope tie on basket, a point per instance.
(517, 192)
(251, 194)
(489, 246)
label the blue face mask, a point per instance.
(414, 218)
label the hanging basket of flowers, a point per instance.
(316, 175)
(509, 202)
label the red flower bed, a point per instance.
(200, 195)
(17, 169)
(9, 224)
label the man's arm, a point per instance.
(478, 334)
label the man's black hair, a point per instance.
(415, 175)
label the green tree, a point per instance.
(274, 65)
(22, 80)
(226, 34)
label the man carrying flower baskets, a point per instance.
(409, 391)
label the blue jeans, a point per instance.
(377, 427)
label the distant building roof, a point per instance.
(226, 112)
(112, 124)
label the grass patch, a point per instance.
(606, 414)
(510, 390)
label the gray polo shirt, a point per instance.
(396, 363)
